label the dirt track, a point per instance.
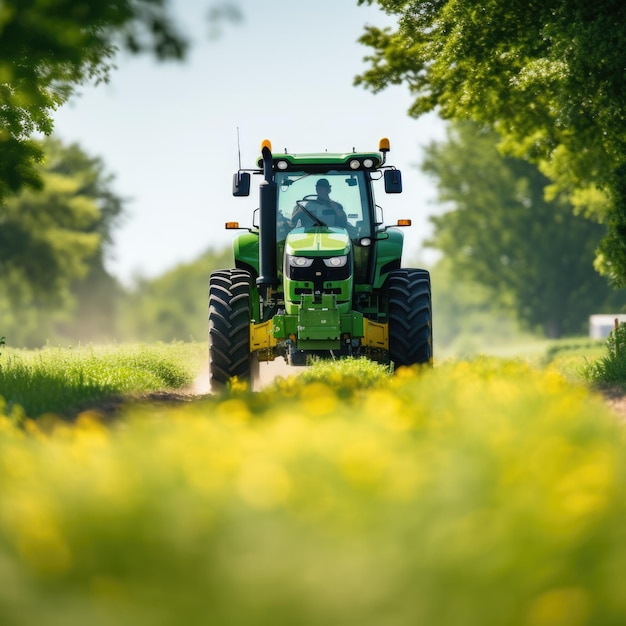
(112, 407)
(616, 400)
(267, 373)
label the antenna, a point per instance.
(238, 147)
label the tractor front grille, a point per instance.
(320, 279)
(318, 271)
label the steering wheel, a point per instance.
(312, 197)
(301, 204)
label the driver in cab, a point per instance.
(326, 210)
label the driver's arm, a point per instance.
(341, 215)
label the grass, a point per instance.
(572, 356)
(58, 380)
(347, 376)
(610, 369)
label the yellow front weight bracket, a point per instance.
(262, 340)
(375, 335)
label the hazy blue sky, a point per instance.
(168, 132)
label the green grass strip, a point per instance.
(55, 380)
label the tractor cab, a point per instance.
(345, 202)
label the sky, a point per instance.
(168, 131)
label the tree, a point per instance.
(174, 305)
(534, 255)
(53, 244)
(468, 320)
(96, 294)
(49, 47)
(548, 76)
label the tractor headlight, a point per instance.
(368, 163)
(299, 261)
(354, 164)
(336, 261)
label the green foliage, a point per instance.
(48, 236)
(60, 380)
(610, 369)
(534, 256)
(547, 76)
(50, 46)
(467, 319)
(174, 305)
(347, 376)
(52, 248)
(571, 356)
(573, 346)
(359, 373)
(470, 494)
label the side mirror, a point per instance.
(393, 181)
(241, 184)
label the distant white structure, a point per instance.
(600, 325)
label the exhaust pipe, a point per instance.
(268, 199)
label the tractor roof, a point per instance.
(321, 161)
(326, 160)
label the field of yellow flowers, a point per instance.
(475, 493)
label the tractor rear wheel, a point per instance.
(229, 328)
(410, 317)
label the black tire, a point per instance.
(229, 328)
(410, 317)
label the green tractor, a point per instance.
(316, 275)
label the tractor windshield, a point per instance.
(332, 198)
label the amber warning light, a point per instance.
(232, 225)
(404, 222)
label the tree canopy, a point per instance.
(55, 238)
(547, 75)
(47, 48)
(49, 235)
(534, 255)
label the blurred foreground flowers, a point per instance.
(483, 493)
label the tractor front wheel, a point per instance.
(229, 328)
(410, 317)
